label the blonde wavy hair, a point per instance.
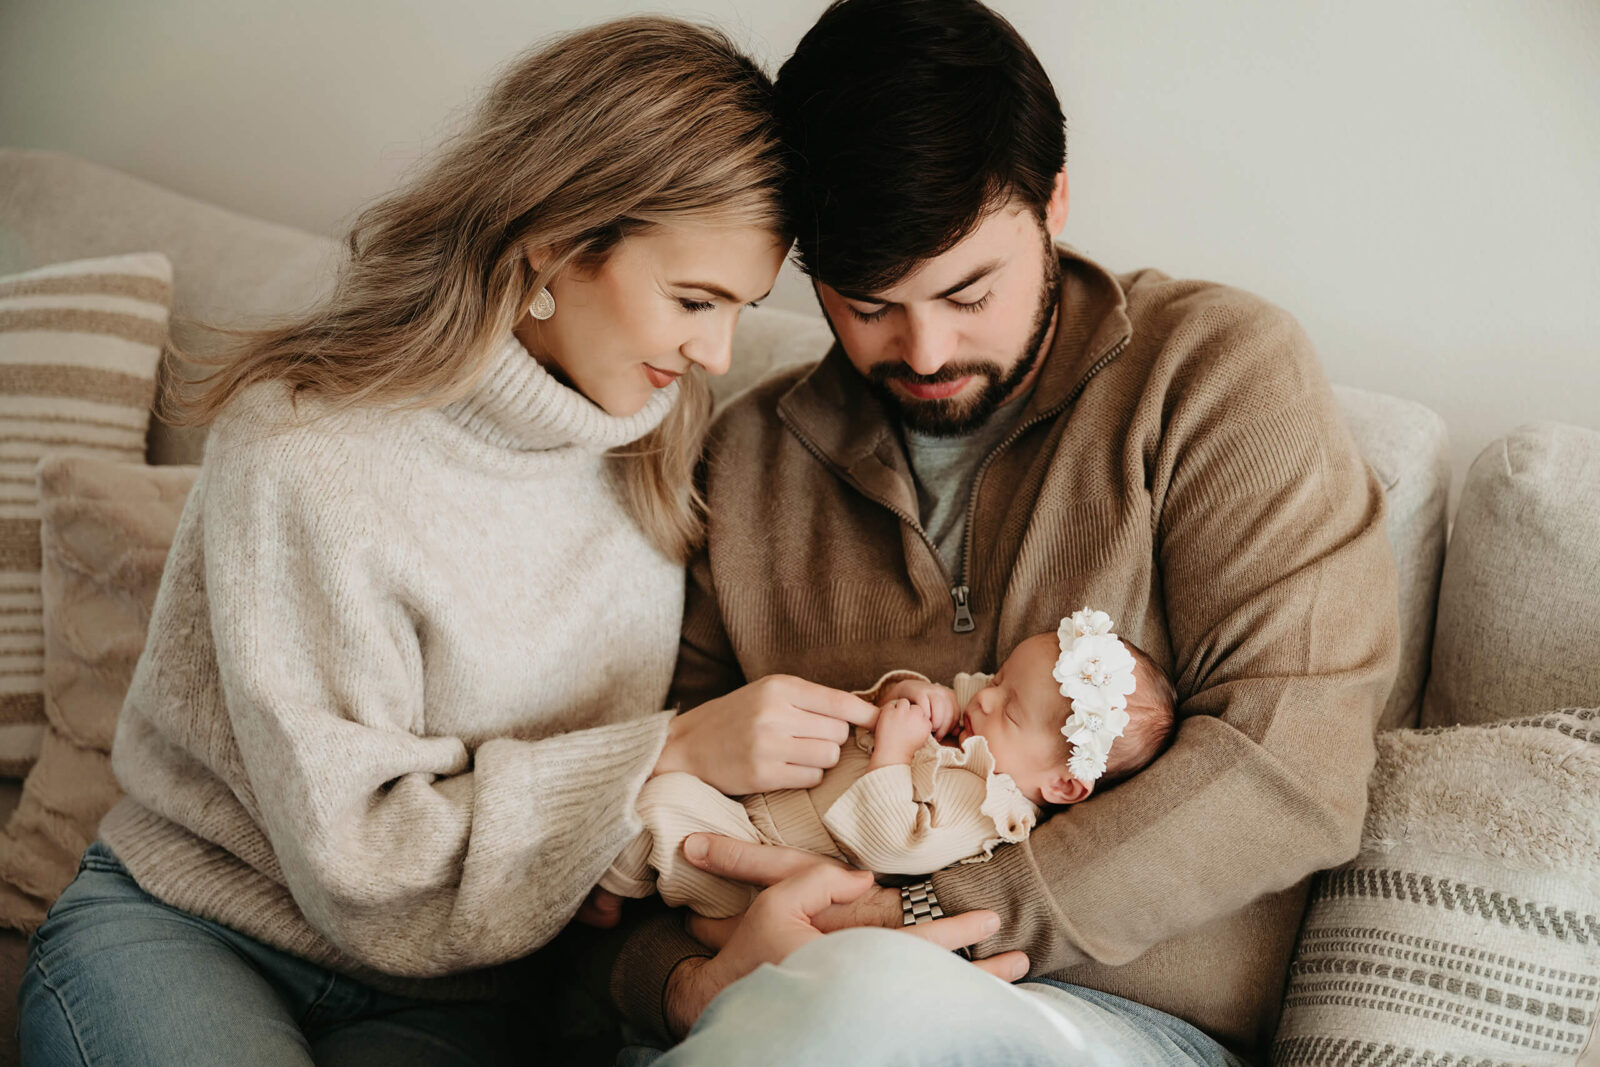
(600, 134)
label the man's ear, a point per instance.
(1055, 210)
(1063, 788)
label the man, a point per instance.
(1005, 432)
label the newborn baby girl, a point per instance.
(943, 777)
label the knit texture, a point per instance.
(358, 731)
(1181, 464)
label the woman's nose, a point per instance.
(713, 351)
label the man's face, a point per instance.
(963, 333)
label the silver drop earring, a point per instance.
(543, 306)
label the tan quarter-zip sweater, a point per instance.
(1181, 465)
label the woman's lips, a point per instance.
(660, 378)
(933, 390)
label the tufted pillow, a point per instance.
(107, 528)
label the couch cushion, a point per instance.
(106, 531)
(1409, 449)
(1518, 627)
(79, 343)
(228, 269)
(1468, 929)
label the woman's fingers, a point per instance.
(602, 909)
(809, 752)
(834, 703)
(742, 861)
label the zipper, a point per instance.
(961, 593)
(962, 611)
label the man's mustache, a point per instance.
(899, 372)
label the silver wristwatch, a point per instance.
(919, 904)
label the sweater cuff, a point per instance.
(870, 693)
(645, 965)
(1008, 885)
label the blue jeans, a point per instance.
(116, 977)
(881, 997)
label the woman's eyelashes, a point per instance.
(692, 306)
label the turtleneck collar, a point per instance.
(518, 405)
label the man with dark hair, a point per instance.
(1004, 432)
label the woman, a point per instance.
(408, 666)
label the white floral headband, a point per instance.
(1096, 673)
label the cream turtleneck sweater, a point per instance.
(404, 679)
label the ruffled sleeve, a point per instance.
(947, 806)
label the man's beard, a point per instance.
(955, 417)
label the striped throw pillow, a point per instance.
(79, 346)
(1467, 932)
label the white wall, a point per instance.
(1418, 181)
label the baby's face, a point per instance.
(1020, 714)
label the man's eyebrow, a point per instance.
(976, 274)
(717, 290)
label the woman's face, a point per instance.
(663, 300)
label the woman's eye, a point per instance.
(868, 316)
(695, 305)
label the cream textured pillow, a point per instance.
(79, 346)
(106, 531)
(1468, 929)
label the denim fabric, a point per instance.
(116, 977)
(881, 997)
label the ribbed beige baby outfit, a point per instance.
(949, 805)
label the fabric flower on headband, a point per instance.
(1095, 671)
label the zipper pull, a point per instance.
(962, 595)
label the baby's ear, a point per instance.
(1061, 787)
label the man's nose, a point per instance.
(927, 343)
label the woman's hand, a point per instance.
(774, 733)
(785, 916)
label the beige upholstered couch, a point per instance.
(1503, 624)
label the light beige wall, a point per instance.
(1417, 181)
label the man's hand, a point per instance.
(774, 733)
(938, 699)
(903, 727)
(767, 865)
(783, 918)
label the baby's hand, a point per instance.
(902, 729)
(939, 700)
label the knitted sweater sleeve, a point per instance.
(417, 854)
(1280, 601)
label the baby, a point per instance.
(944, 776)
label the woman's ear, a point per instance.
(1061, 787)
(538, 256)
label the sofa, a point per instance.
(1500, 622)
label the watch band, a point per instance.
(919, 904)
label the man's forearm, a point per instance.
(638, 964)
(690, 988)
